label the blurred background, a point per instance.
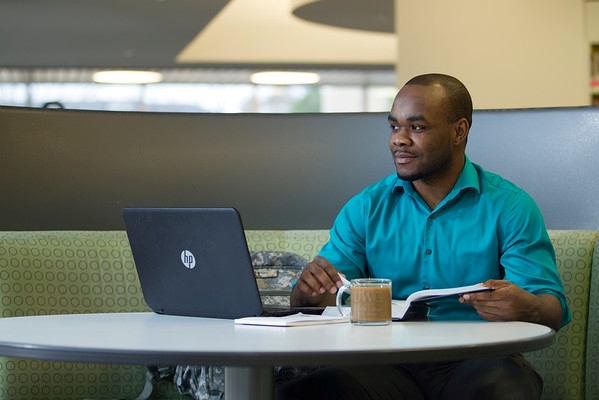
(204, 53)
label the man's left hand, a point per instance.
(508, 302)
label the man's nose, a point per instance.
(400, 137)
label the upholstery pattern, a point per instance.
(305, 243)
(592, 354)
(561, 363)
(79, 271)
(275, 280)
(63, 273)
(275, 272)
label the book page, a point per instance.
(416, 303)
(429, 294)
(298, 319)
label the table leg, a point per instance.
(249, 383)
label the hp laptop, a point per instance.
(195, 262)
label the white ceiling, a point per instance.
(196, 40)
(267, 32)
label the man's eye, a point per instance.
(394, 127)
(417, 127)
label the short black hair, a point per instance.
(459, 102)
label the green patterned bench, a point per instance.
(570, 366)
(55, 272)
(62, 272)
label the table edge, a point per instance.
(252, 359)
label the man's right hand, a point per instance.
(317, 284)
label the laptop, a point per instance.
(195, 262)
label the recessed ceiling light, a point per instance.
(127, 77)
(284, 78)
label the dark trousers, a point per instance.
(508, 378)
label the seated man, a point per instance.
(440, 221)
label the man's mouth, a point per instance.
(402, 157)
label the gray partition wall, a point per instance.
(67, 169)
(552, 153)
(63, 169)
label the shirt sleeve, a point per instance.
(345, 249)
(528, 257)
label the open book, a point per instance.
(417, 304)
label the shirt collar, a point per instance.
(468, 179)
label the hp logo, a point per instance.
(188, 259)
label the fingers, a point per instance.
(319, 277)
(495, 284)
(488, 304)
(488, 308)
(505, 303)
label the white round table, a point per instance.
(250, 352)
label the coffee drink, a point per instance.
(370, 300)
(370, 304)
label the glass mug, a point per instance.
(370, 301)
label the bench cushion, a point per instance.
(62, 273)
(562, 365)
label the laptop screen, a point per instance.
(193, 261)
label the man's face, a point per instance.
(421, 137)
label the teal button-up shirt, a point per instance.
(486, 228)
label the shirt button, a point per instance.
(426, 287)
(429, 252)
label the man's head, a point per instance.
(430, 120)
(458, 100)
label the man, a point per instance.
(440, 221)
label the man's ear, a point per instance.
(461, 129)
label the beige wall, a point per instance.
(510, 53)
(592, 21)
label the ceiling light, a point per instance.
(284, 78)
(127, 77)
